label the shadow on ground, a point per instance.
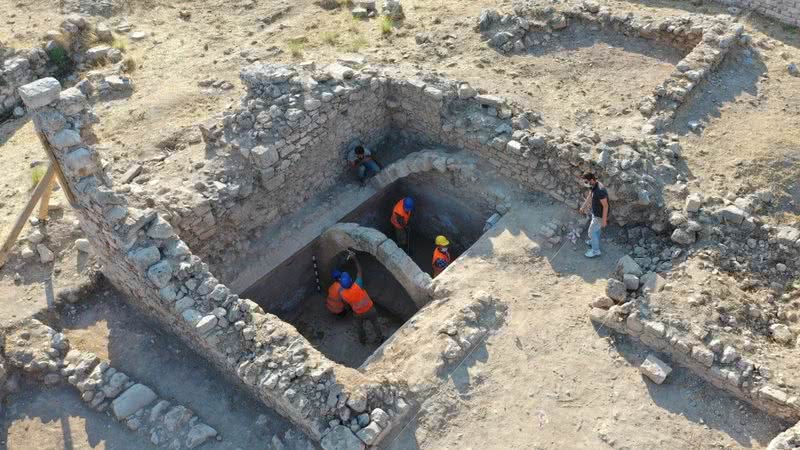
(690, 396)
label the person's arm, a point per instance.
(604, 202)
(585, 205)
(359, 274)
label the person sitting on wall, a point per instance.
(334, 301)
(354, 294)
(363, 162)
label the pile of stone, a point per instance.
(41, 353)
(469, 326)
(708, 40)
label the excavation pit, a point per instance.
(291, 291)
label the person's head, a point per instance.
(336, 274)
(345, 280)
(442, 243)
(589, 179)
(408, 204)
(359, 151)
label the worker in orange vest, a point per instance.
(441, 255)
(334, 301)
(354, 294)
(401, 215)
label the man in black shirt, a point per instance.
(598, 197)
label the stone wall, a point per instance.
(143, 257)
(17, 68)
(786, 11)
(705, 39)
(286, 143)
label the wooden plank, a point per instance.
(62, 179)
(44, 204)
(44, 183)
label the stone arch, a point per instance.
(342, 236)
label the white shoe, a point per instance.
(593, 254)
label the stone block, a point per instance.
(64, 139)
(652, 282)
(199, 434)
(40, 93)
(631, 282)
(694, 202)
(80, 161)
(160, 273)
(341, 438)
(616, 290)
(788, 236)
(626, 265)
(733, 215)
(369, 433)
(135, 398)
(655, 369)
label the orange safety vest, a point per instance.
(357, 298)
(399, 211)
(334, 301)
(440, 255)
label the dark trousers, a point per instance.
(370, 316)
(401, 236)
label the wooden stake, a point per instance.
(44, 205)
(43, 185)
(62, 179)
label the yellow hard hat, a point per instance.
(442, 241)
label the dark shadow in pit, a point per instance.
(439, 210)
(54, 408)
(291, 292)
(690, 396)
(580, 36)
(738, 75)
(105, 323)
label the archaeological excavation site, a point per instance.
(400, 224)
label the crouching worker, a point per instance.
(363, 308)
(362, 161)
(441, 255)
(334, 301)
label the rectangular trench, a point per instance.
(291, 290)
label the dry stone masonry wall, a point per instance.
(706, 40)
(300, 120)
(144, 257)
(45, 355)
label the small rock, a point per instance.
(83, 245)
(655, 369)
(616, 290)
(45, 254)
(793, 70)
(198, 434)
(781, 333)
(602, 302)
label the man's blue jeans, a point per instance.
(367, 169)
(595, 227)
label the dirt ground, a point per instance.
(548, 379)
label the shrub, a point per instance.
(295, 48)
(120, 44)
(37, 173)
(386, 24)
(129, 64)
(330, 38)
(357, 44)
(59, 57)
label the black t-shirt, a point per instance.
(598, 193)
